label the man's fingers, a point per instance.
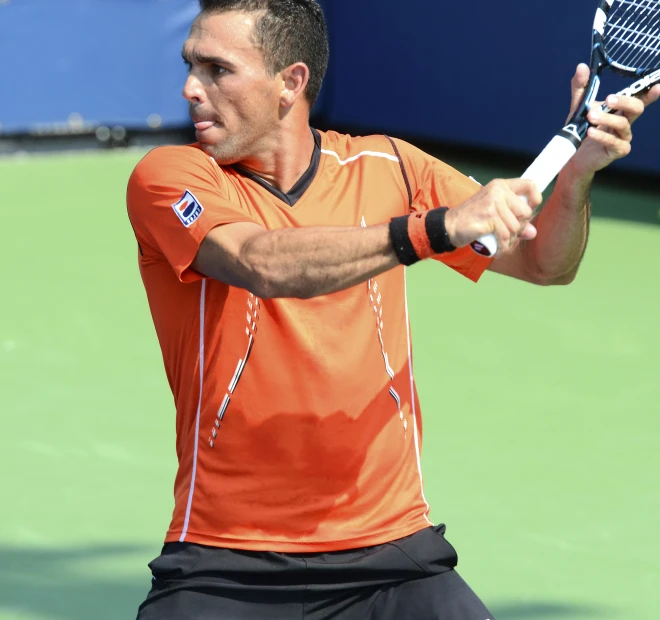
(510, 232)
(529, 190)
(578, 84)
(630, 107)
(616, 146)
(529, 233)
(581, 77)
(503, 235)
(616, 124)
(503, 208)
(651, 96)
(516, 200)
(514, 223)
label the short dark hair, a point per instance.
(289, 31)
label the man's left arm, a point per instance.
(554, 256)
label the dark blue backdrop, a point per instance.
(463, 72)
(448, 71)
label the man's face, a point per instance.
(234, 102)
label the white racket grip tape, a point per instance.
(550, 162)
(543, 172)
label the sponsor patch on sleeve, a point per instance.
(188, 209)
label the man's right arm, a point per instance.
(314, 261)
(295, 262)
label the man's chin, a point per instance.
(207, 148)
(219, 154)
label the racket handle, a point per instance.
(543, 172)
(485, 246)
(552, 160)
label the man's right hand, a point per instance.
(499, 209)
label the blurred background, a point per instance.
(542, 421)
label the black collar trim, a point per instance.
(303, 183)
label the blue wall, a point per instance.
(446, 71)
(115, 62)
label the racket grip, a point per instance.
(552, 160)
(543, 172)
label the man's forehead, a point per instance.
(231, 30)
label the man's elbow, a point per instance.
(554, 280)
(267, 288)
(271, 286)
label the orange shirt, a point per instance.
(298, 423)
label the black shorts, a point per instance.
(408, 579)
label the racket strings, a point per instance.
(632, 33)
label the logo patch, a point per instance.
(188, 209)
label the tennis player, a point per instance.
(272, 256)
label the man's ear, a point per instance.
(295, 78)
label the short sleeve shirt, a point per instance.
(298, 422)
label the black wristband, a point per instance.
(437, 232)
(401, 243)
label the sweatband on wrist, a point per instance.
(419, 236)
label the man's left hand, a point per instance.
(610, 136)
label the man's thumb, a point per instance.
(578, 85)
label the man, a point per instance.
(272, 258)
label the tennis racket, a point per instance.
(626, 38)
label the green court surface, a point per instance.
(542, 422)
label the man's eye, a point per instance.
(218, 70)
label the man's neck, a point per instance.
(283, 167)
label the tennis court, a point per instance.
(541, 410)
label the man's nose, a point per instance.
(193, 90)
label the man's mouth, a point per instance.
(202, 125)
